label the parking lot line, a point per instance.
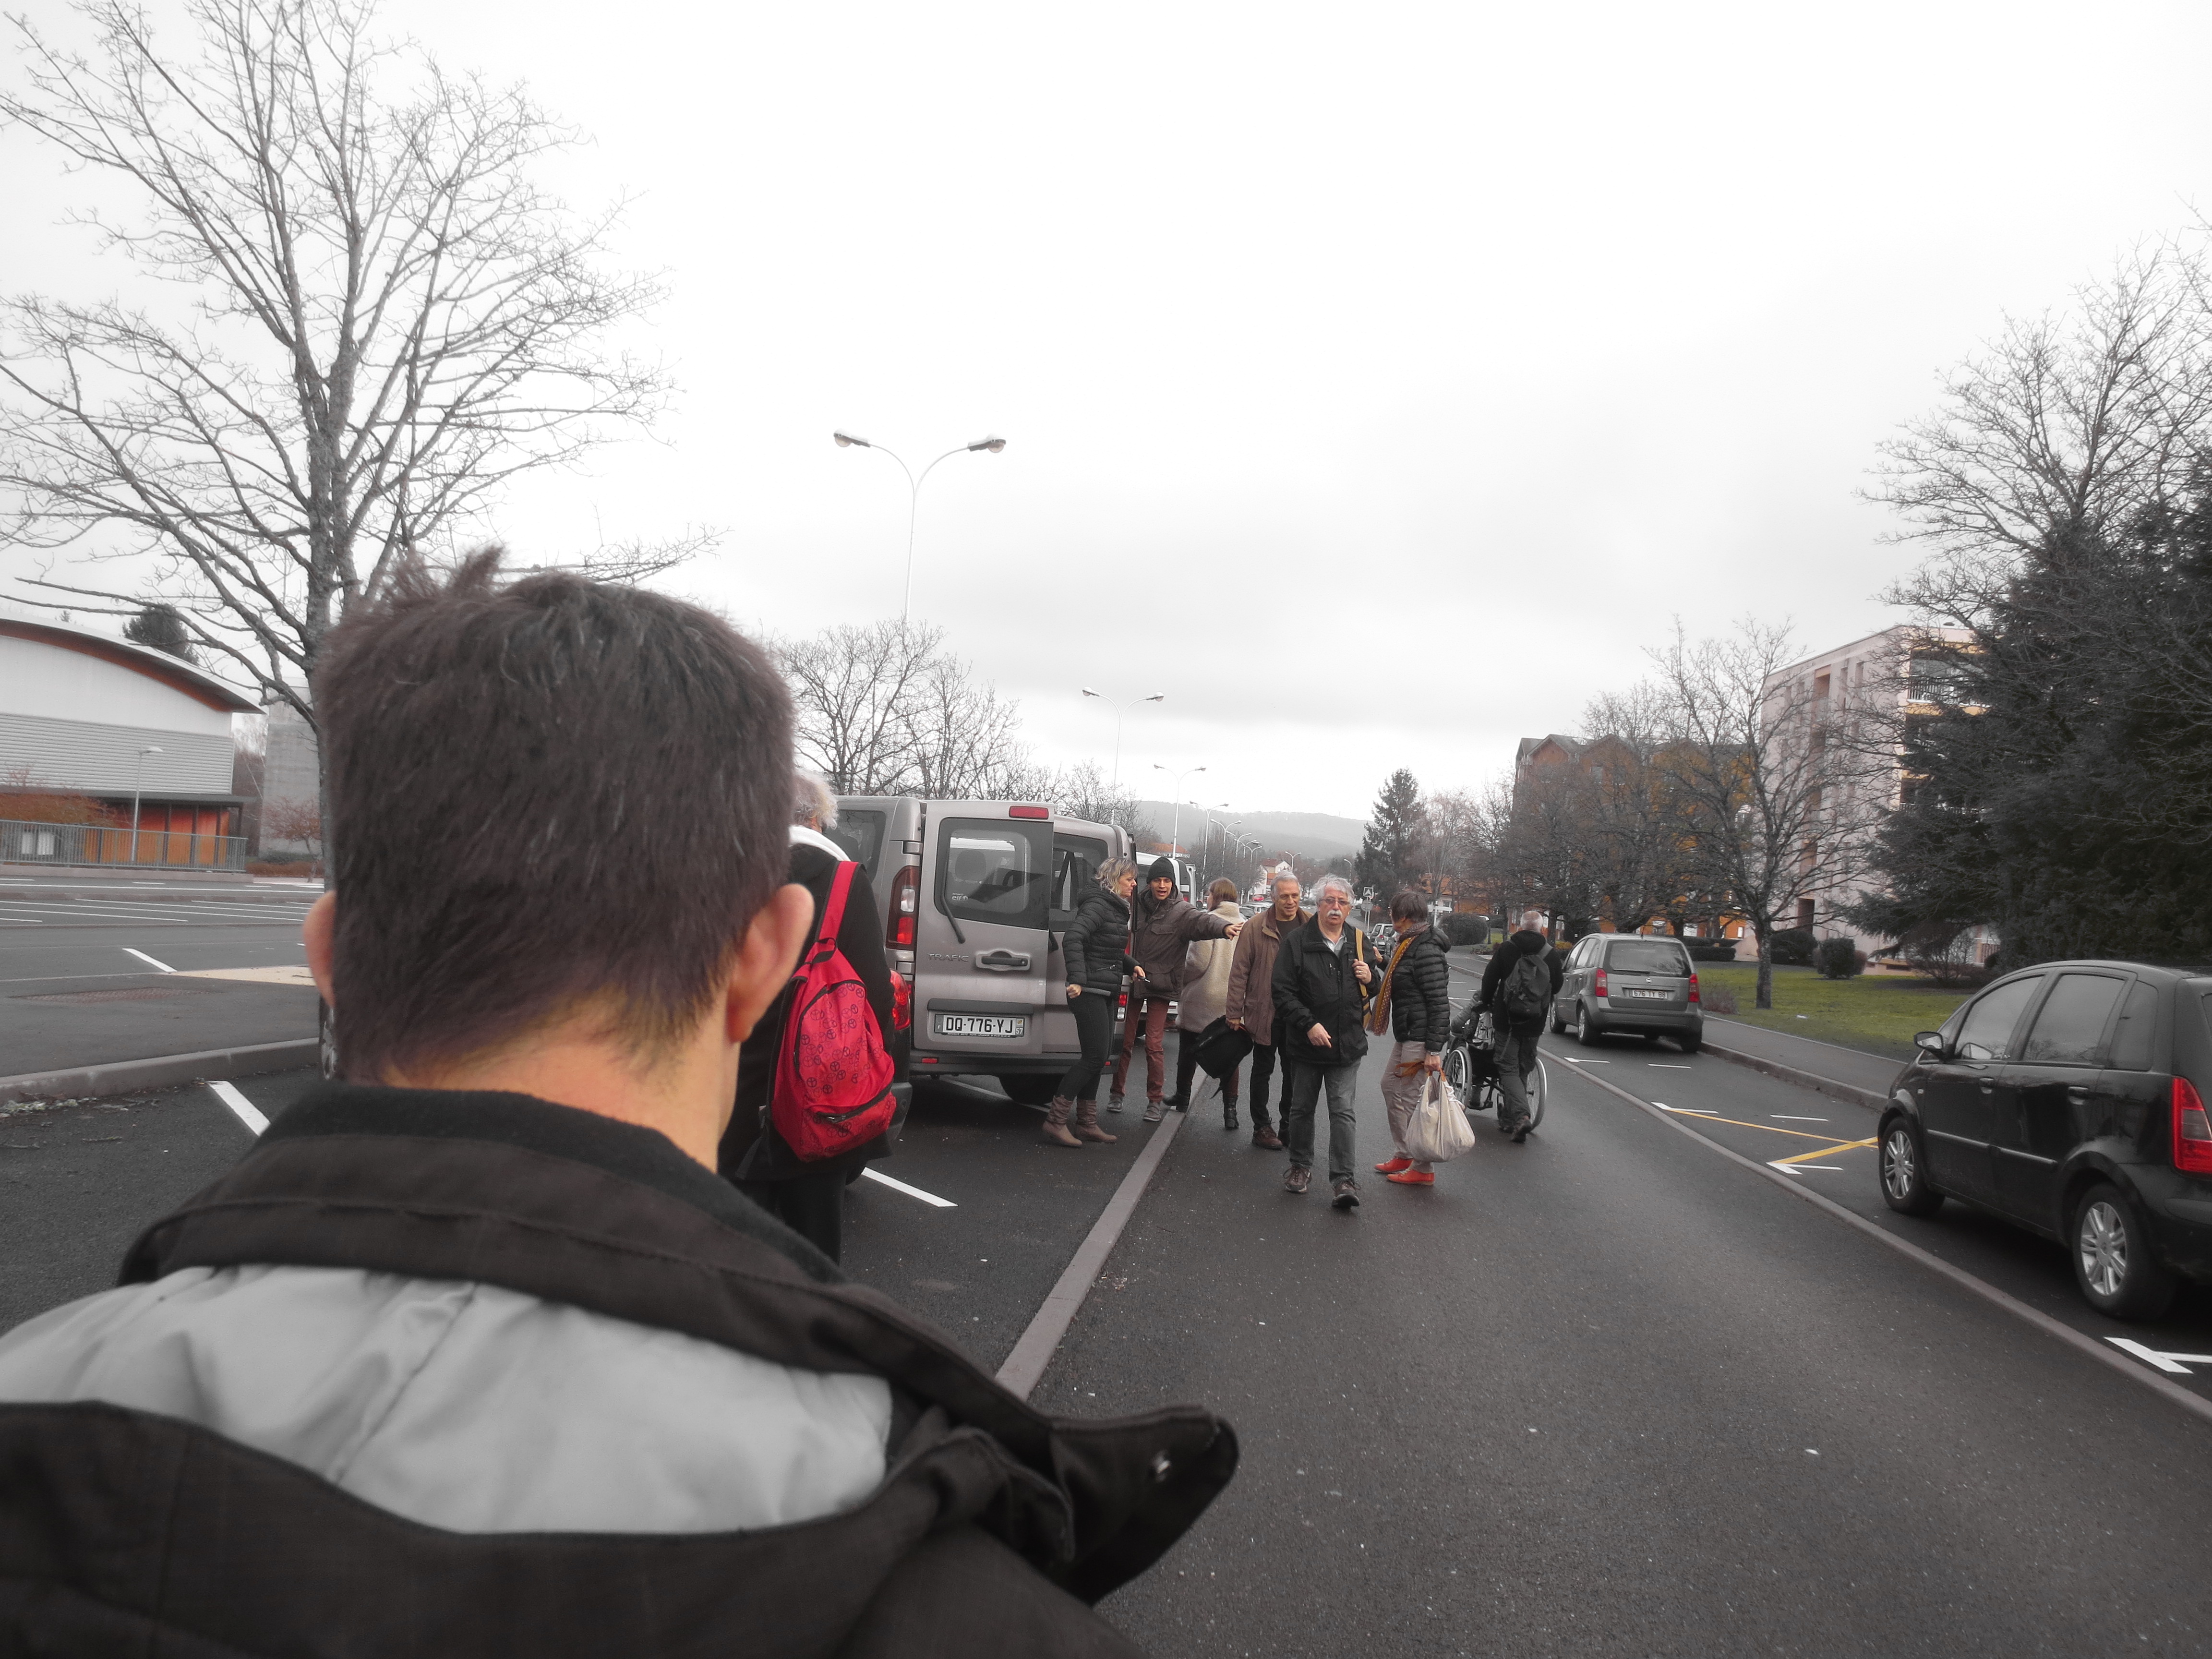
(911, 1192)
(1800, 1157)
(147, 960)
(246, 1111)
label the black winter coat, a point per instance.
(1507, 957)
(1420, 993)
(1096, 947)
(1315, 986)
(124, 1532)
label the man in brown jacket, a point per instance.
(1162, 924)
(1252, 996)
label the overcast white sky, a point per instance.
(1378, 380)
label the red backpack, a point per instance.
(833, 1078)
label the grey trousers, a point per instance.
(1401, 1095)
(1299, 1102)
(1517, 1058)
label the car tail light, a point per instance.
(1597, 984)
(2192, 1132)
(1029, 811)
(1693, 988)
(906, 886)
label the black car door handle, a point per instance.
(2077, 1092)
(1989, 1086)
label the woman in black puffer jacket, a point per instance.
(1096, 948)
(1416, 1000)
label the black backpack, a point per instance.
(1526, 993)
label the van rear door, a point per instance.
(984, 945)
(1080, 850)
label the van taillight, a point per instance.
(2192, 1132)
(1597, 984)
(1693, 988)
(906, 885)
(1029, 811)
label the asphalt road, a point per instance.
(1606, 1392)
(84, 980)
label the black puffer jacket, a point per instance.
(1096, 947)
(1507, 957)
(1315, 986)
(1420, 993)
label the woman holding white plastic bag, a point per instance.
(1414, 1006)
(1205, 999)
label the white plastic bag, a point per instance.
(1439, 1131)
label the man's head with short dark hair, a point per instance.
(1409, 906)
(549, 799)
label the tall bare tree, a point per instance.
(384, 321)
(1640, 839)
(1775, 787)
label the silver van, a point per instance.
(1628, 985)
(975, 897)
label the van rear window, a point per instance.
(1077, 860)
(1647, 956)
(859, 831)
(994, 870)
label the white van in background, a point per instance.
(975, 897)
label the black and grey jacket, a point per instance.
(129, 1525)
(1316, 986)
(1420, 993)
(1096, 947)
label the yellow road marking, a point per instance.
(1825, 1151)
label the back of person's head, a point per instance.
(1409, 906)
(552, 798)
(812, 803)
(1224, 891)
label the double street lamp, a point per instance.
(1120, 708)
(988, 446)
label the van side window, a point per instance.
(2070, 1027)
(994, 870)
(1986, 1032)
(2131, 1049)
(1076, 861)
(859, 831)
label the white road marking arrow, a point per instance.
(2177, 1365)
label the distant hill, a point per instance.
(1315, 835)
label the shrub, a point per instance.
(1790, 948)
(277, 864)
(1466, 927)
(1945, 953)
(1838, 959)
(1716, 999)
(1711, 949)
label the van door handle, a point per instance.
(1002, 962)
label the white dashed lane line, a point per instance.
(911, 1192)
(247, 1113)
(161, 967)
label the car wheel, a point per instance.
(1559, 1021)
(1905, 1172)
(1689, 1045)
(1585, 1028)
(2113, 1260)
(1029, 1088)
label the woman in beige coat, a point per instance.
(1204, 999)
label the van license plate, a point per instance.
(982, 1025)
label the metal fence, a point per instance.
(98, 844)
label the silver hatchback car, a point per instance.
(1627, 985)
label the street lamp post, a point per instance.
(137, 780)
(1119, 708)
(1175, 836)
(846, 440)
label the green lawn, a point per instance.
(1878, 1013)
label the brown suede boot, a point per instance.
(1055, 1122)
(1086, 1124)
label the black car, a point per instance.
(2069, 1098)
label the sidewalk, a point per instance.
(1846, 1073)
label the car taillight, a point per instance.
(2192, 1132)
(1597, 984)
(1693, 988)
(898, 934)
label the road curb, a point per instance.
(120, 1077)
(1869, 1098)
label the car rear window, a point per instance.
(994, 870)
(859, 831)
(1648, 956)
(2131, 1038)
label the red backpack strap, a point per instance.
(833, 908)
